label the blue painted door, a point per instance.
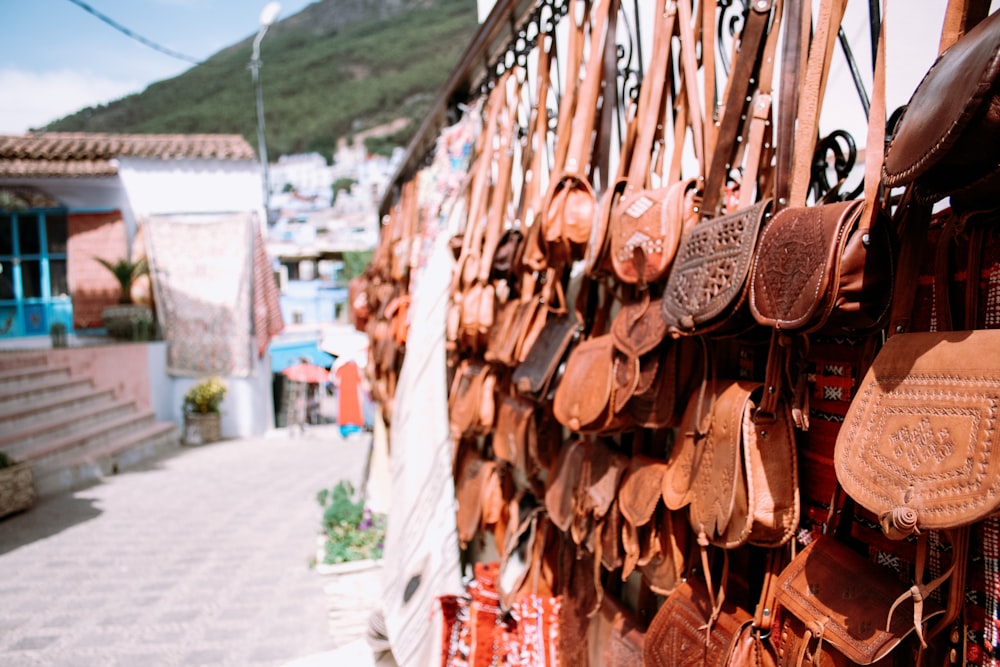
(34, 291)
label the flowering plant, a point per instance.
(205, 397)
(352, 531)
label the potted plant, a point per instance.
(202, 414)
(127, 320)
(17, 485)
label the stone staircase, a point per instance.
(71, 433)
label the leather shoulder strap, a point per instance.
(747, 60)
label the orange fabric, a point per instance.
(348, 380)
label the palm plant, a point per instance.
(126, 272)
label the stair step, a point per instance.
(22, 431)
(19, 377)
(11, 398)
(48, 454)
(79, 396)
(88, 465)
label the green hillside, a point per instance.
(322, 80)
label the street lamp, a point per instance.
(268, 15)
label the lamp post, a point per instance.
(268, 15)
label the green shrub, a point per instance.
(352, 531)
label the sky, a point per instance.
(57, 58)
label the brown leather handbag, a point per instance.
(829, 267)
(823, 268)
(744, 473)
(918, 446)
(471, 400)
(570, 201)
(839, 608)
(948, 136)
(706, 290)
(683, 633)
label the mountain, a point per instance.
(335, 68)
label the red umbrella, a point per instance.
(306, 372)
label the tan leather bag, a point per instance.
(743, 485)
(570, 201)
(684, 634)
(844, 608)
(917, 447)
(471, 400)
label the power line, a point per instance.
(139, 38)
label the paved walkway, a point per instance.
(201, 557)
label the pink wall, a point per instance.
(122, 367)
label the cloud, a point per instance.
(32, 99)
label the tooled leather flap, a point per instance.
(638, 327)
(640, 492)
(918, 446)
(797, 263)
(842, 597)
(582, 398)
(561, 486)
(709, 274)
(677, 634)
(943, 105)
(646, 229)
(719, 502)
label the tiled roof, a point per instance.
(77, 154)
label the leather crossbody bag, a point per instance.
(948, 136)
(829, 267)
(842, 608)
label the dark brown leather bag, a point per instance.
(948, 136)
(706, 291)
(533, 376)
(821, 268)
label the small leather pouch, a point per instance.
(683, 632)
(818, 269)
(706, 291)
(646, 230)
(948, 136)
(583, 400)
(471, 400)
(532, 376)
(846, 608)
(918, 444)
(515, 431)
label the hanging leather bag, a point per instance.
(829, 267)
(947, 138)
(706, 289)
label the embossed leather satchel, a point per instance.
(683, 634)
(823, 268)
(829, 267)
(837, 607)
(918, 446)
(706, 291)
